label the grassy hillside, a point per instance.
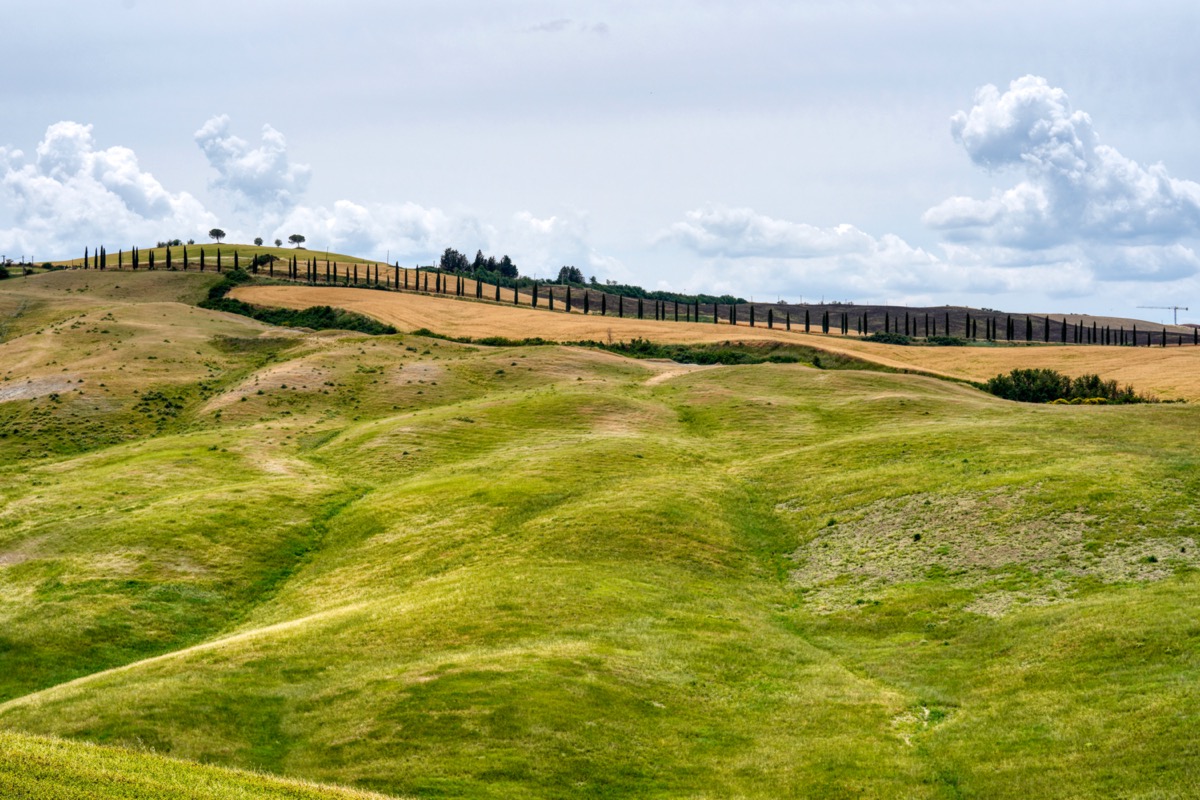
(52, 769)
(436, 569)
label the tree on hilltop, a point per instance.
(296, 239)
(279, 242)
(570, 275)
(453, 261)
(258, 241)
(216, 233)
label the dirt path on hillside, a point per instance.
(1168, 372)
(214, 644)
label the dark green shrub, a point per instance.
(946, 341)
(1051, 386)
(886, 337)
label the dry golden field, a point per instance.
(1170, 372)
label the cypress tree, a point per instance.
(604, 304)
(716, 314)
(516, 294)
(887, 324)
(675, 308)
(151, 260)
(1046, 329)
(535, 295)
(587, 306)
(87, 259)
(770, 318)
(550, 296)
(1094, 340)
(927, 325)
(806, 321)
(621, 306)
(1164, 339)
(1064, 330)
(497, 290)
(788, 319)
(733, 313)
(1028, 328)
(947, 323)
(641, 309)
(568, 299)
(752, 315)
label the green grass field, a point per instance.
(433, 569)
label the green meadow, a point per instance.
(246, 561)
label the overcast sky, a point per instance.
(1027, 156)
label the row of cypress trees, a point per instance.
(573, 298)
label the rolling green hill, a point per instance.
(443, 570)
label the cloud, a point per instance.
(742, 247)
(73, 195)
(260, 178)
(409, 232)
(741, 232)
(1075, 189)
(412, 233)
(744, 251)
(563, 25)
(541, 245)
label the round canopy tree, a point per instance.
(216, 233)
(296, 239)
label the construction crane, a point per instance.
(1173, 309)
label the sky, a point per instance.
(1026, 156)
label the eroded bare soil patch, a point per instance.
(995, 542)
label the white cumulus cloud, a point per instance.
(541, 245)
(739, 232)
(1074, 188)
(257, 178)
(72, 195)
(409, 232)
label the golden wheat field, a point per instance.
(1169, 373)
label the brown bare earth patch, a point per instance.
(995, 542)
(1167, 372)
